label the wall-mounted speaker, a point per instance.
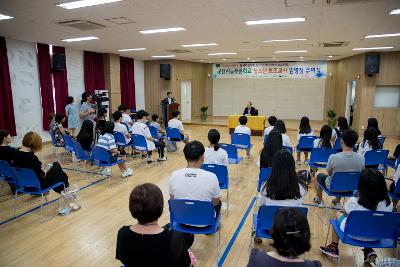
(372, 64)
(58, 62)
(165, 71)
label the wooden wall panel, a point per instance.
(330, 87)
(112, 79)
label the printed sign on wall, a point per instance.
(270, 70)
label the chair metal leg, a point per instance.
(218, 244)
(327, 235)
(15, 202)
(227, 202)
(41, 205)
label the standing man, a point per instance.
(164, 103)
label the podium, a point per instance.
(168, 110)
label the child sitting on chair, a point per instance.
(243, 129)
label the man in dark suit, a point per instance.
(164, 103)
(249, 110)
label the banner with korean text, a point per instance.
(270, 70)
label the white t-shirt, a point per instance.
(334, 135)
(263, 200)
(268, 130)
(318, 143)
(194, 184)
(285, 140)
(121, 128)
(175, 123)
(364, 147)
(304, 134)
(219, 157)
(396, 175)
(242, 129)
(352, 204)
(141, 128)
(126, 119)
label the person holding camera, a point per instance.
(87, 112)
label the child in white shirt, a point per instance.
(304, 130)
(213, 153)
(243, 129)
(271, 121)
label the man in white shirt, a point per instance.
(271, 121)
(140, 128)
(242, 128)
(177, 124)
(121, 128)
(192, 182)
(126, 118)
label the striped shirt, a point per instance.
(107, 141)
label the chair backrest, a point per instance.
(53, 139)
(231, 150)
(321, 155)
(289, 148)
(381, 140)
(345, 181)
(338, 145)
(191, 212)
(363, 224)
(173, 133)
(139, 142)
(153, 132)
(263, 176)
(376, 157)
(396, 192)
(100, 154)
(266, 215)
(220, 171)
(26, 178)
(119, 139)
(126, 125)
(6, 172)
(306, 142)
(79, 152)
(265, 139)
(240, 139)
(68, 142)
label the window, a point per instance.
(387, 96)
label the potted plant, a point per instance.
(203, 115)
(331, 118)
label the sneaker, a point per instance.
(162, 159)
(106, 171)
(125, 174)
(331, 250)
(129, 171)
(369, 255)
(336, 205)
(318, 202)
(149, 160)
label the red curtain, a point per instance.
(60, 83)
(7, 119)
(93, 72)
(127, 71)
(46, 87)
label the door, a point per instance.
(186, 100)
(350, 98)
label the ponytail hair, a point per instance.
(213, 137)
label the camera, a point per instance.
(99, 98)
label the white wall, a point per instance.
(284, 98)
(139, 84)
(22, 61)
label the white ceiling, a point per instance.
(206, 21)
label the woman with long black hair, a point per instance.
(213, 153)
(85, 136)
(370, 142)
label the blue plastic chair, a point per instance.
(194, 217)
(265, 139)
(343, 184)
(319, 157)
(233, 157)
(154, 133)
(241, 141)
(306, 143)
(54, 143)
(396, 194)
(68, 143)
(6, 172)
(221, 172)
(173, 134)
(363, 224)
(101, 158)
(80, 154)
(262, 177)
(28, 183)
(139, 143)
(382, 140)
(338, 145)
(264, 219)
(120, 140)
(289, 148)
(376, 157)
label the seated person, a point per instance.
(342, 125)
(243, 129)
(283, 187)
(373, 123)
(281, 128)
(370, 142)
(391, 185)
(146, 243)
(271, 121)
(107, 141)
(290, 233)
(140, 128)
(156, 123)
(25, 158)
(273, 145)
(58, 130)
(126, 118)
(85, 136)
(372, 195)
(177, 124)
(304, 130)
(346, 161)
(6, 151)
(192, 182)
(213, 153)
(325, 138)
(121, 128)
(249, 110)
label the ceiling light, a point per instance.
(276, 59)
(209, 62)
(224, 59)
(330, 56)
(80, 39)
(290, 51)
(372, 48)
(196, 45)
(301, 57)
(248, 58)
(395, 12)
(132, 49)
(285, 40)
(253, 61)
(222, 53)
(3, 17)
(176, 29)
(166, 56)
(85, 3)
(383, 35)
(274, 21)
(201, 60)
